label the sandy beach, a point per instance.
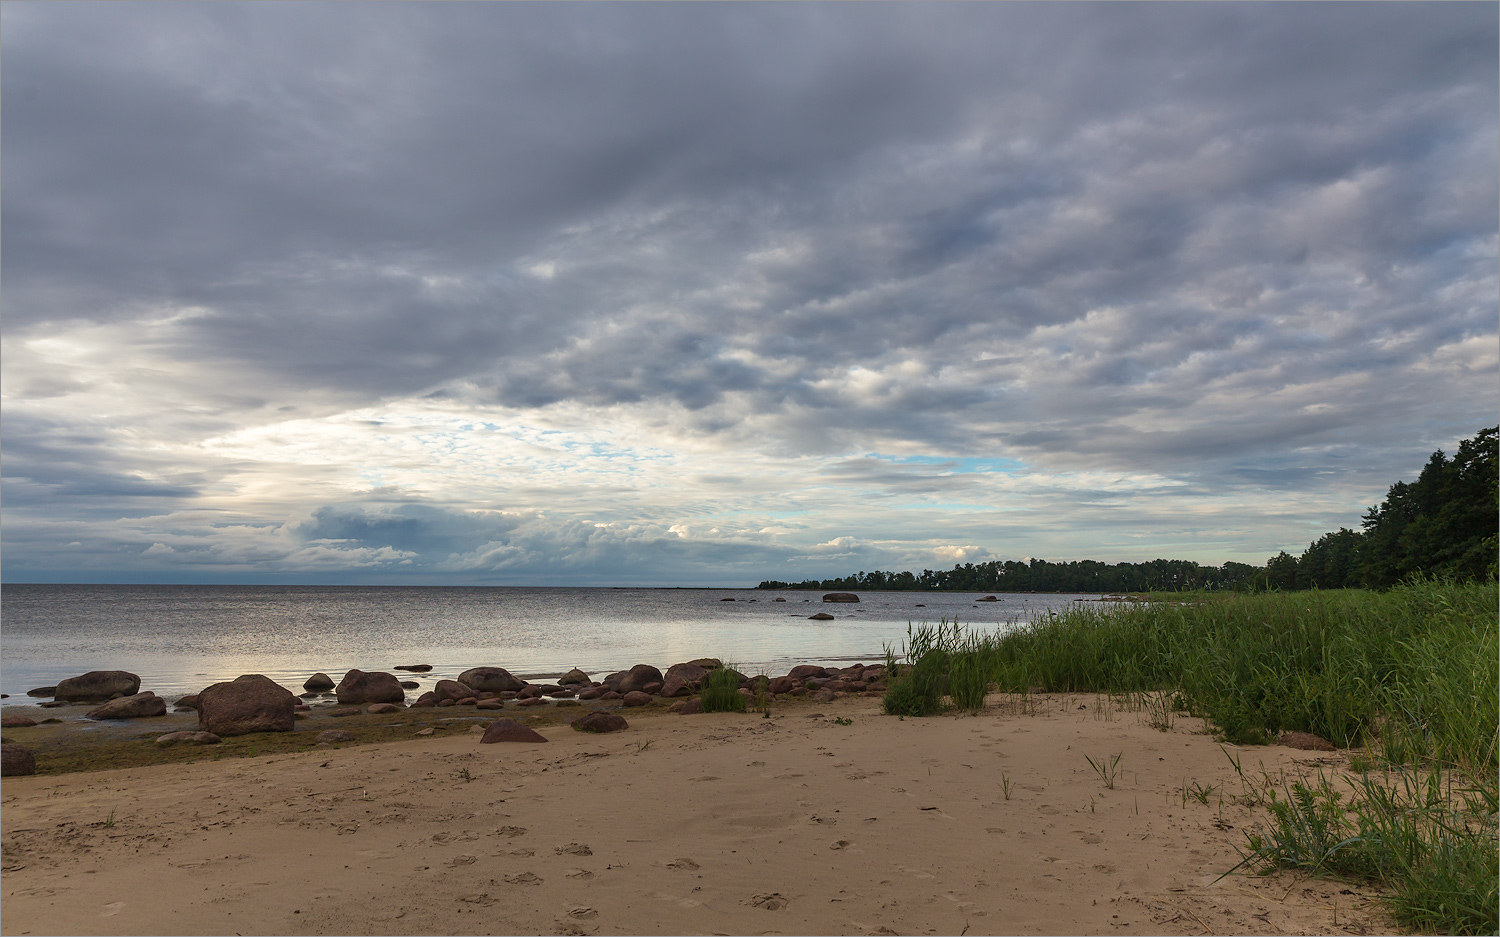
(704, 824)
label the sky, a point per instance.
(681, 294)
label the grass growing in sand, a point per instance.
(1408, 674)
(721, 691)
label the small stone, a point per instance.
(16, 722)
(191, 738)
(1306, 741)
(341, 713)
(427, 731)
(382, 709)
(332, 736)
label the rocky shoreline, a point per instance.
(252, 704)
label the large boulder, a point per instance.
(359, 687)
(841, 597)
(97, 686)
(249, 703)
(47, 691)
(16, 761)
(491, 680)
(638, 678)
(594, 692)
(451, 689)
(600, 722)
(574, 677)
(318, 681)
(16, 722)
(801, 672)
(131, 707)
(509, 730)
(636, 698)
(682, 679)
(781, 685)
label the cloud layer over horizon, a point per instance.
(688, 294)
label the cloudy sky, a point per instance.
(706, 294)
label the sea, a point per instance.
(179, 639)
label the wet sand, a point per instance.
(733, 824)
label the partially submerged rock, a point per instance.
(359, 687)
(97, 686)
(452, 689)
(318, 681)
(821, 616)
(491, 679)
(47, 691)
(841, 597)
(574, 677)
(414, 668)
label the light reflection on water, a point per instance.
(182, 638)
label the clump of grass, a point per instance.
(1108, 769)
(943, 660)
(721, 691)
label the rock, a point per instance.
(841, 597)
(778, 599)
(726, 600)
(16, 761)
(426, 699)
(16, 722)
(798, 691)
(469, 701)
(613, 680)
(574, 677)
(824, 696)
(47, 691)
(383, 709)
(689, 673)
(331, 736)
(190, 738)
(318, 681)
(531, 701)
(1306, 741)
(531, 691)
(676, 686)
(138, 706)
(509, 730)
(611, 695)
(493, 679)
(567, 702)
(988, 598)
(561, 691)
(707, 663)
(359, 687)
(97, 686)
(414, 668)
(687, 707)
(781, 685)
(636, 698)
(410, 685)
(345, 711)
(249, 703)
(821, 616)
(593, 692)
(638, 677)
(452, 689)
(188, 702)
(53, 703)
(600, 722)
(426, 732)
(803, 672)
(651, 689)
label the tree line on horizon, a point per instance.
(1442, 525)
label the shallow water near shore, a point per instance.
(181, 638)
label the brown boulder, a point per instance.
(97, 686)
(574, 677)
(509, 730)
(131, 707)
(16, 722)
(687, 707)
(413, 668)
(47, 691)
(426, 699)
(1306, 741)
(378, 687)
(823, 696)
(382, 709)
(531, 691)
(331, 736)
(318, 681)
(781, 685)
(16, 761)
(452, 689)
(493, 679)
(802, 672)
(610, 695)
(841, 597)
(593, 692)
(989, 598)
(676, 686)
(249, 703)
(188, 702)
(638, 678)
(193, 738)
(707, 663)
(636, 698)
(600, 722)
(531, 701)
(821, 616)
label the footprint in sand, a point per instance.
(772, 901)
(582, 914)
(683, 863)
(573, 849)
(841, 844)
(111, 909)
(523, 878)
(581, 875)
(457, 861)
(509, 831)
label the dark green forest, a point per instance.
(1441, 525)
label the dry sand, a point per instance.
(679, 825)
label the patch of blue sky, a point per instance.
(957, 465)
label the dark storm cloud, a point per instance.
(1243, 245)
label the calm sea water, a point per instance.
(182, 638)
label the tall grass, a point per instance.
(1411, 673)
(721, 691)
